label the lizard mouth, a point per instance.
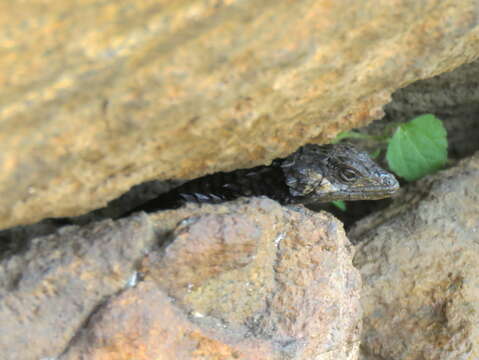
(386, 186)
(363, 193)
(371, 193)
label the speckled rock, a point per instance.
(96, 96)
(420, 271)
(243, 280)
(48, 292)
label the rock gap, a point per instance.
(452, 96)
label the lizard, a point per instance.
(312, 174)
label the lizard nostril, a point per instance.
(390, 181)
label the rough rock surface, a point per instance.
(242, 280)
(420, 271)
(97, 96)
(48, 292)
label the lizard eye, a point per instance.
(347, 175)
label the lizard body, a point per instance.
(312, 174)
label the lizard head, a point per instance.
(321, 173)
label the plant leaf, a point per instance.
(340, 204)
(418, 148)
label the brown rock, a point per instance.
(49, 292)
(98, 96)
(286, 275)
(145, 323)
(243, 280)
(420, 273)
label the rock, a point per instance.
(98, 96)
(243, 280)
(48, 292)
(420, 273)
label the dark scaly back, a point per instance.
(224, 186)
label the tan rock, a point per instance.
(420, 272)
(48, 292)
(285, 276)
(243, 280)
(98, 96)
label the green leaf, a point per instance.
(418, 148)
(340, 204)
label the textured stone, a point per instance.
(243, 280)
(420, 273)
(48, 292)
(260, 269)
(97, 96)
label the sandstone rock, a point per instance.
(98, 96)
(48, 292)
(420, 271)
(243, 280)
